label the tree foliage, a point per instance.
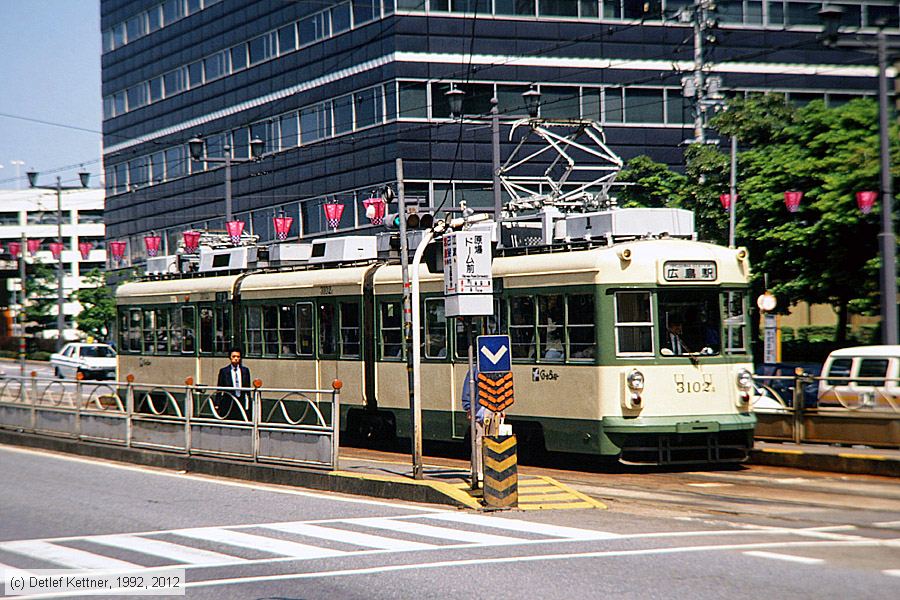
(98, 306)
(827, 251)
(41, 294)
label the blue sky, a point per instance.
(50, 71)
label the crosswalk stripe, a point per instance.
(350, 537)
(414, 528)
(786, 557)
(68, 557)
(258, 542)
(175, 552)
(572, 533)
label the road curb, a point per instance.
(376, 486)
(855, 463)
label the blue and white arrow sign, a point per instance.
(493, 354)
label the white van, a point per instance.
(862, 377)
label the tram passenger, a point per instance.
(674, 341)
(233, 378)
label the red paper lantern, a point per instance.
(56, 249)
(282, 227)
(792, 200)
(333, 213)
(85, 249)
(15, 249)
(34, 246)
(866, 200)
(191, 241)
(375, 209)
(235, 229)
(725, 199)
(117, 248)
(152, 243)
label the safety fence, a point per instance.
(284, 426)
(802, 408)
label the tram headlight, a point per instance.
(744, 380)
(635, 381)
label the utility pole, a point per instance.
(705, 91)
(60, 294)
(732, 193)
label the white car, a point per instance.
(94, 361)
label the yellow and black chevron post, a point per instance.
(495, 391)
(501, 473)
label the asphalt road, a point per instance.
(242, 540)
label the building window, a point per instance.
(9, 218)
(643, 105)
(413, 100)
(306, 328)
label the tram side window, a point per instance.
(327, 330)
(149, 331)
(349, 329)
(162, 331)
(435, 328)
(254, 330)
(580, 327)
(551, 327)
(134, 330)
(270, 330)
(840, 369)
(207, 329)
(175, 330)
(735, 323)
(305, 328)
(187, 330)
(123, 331)
(521, 326)
(287, 330)
(491, 325)
(223, 328)
(634, 324)
(391, 331)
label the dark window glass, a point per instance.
(364, 11)
(207, 329)
(174, 82)
(214, 66)
(413, 100)
(803, 13)
(510, 101)
(582, 340)
(642, 9)
(223, 328)
(340, 18)
(367, 106)
(187, 330)
(119, 103)
(239, 57)
(134, 330)
(175, 162)
(471, 6)
(254, 330)
(349, 329)
(289, 131)
(328, 326)
(172, 11)
(678, 110)
(558, 8)
(343, 114)
(157, 167)
(287, 39)
(840, 368)
(476, 101)
(195, 74)
(306, 329)
(560, 103)
(193, 6)
(154, 18)
(643, 106)
(175, 331)
(886, 16)
(521, 327)
(259, 49)
(589, 8)
(689, 321)
(730, 11)
(872, 367)
(150, 333)
(435, 328)
(391, 331)
(612, 98)
(11, 218)
(287, 331)
(390, 101)
(135, 27)
(270, 330)
(156, 89)
(311, 29)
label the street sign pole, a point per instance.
(473, 399)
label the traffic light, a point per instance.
(415, 219)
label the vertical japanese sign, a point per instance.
(468, 284)
(770, 338)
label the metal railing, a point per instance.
(271, 425)
(803, 408)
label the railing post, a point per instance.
(33, 399)
(129, 409)
(255, 409)
(188, 412)
(336, 386)
(798, 406)
(78, 378)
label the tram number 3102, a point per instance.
(693, 387)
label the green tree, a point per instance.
(98, 306)
(41, 294)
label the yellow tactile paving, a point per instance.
(537, 492)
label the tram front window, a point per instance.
(689, 322)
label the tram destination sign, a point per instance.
(681, 270)
(468, 283)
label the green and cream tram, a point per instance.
(637, 350)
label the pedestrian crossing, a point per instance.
(282, 541)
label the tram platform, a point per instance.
(857, 460)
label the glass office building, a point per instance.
(337, 90)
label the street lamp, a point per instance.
(196, 147)
(532, 101)
(830, 16)
(84, 178)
